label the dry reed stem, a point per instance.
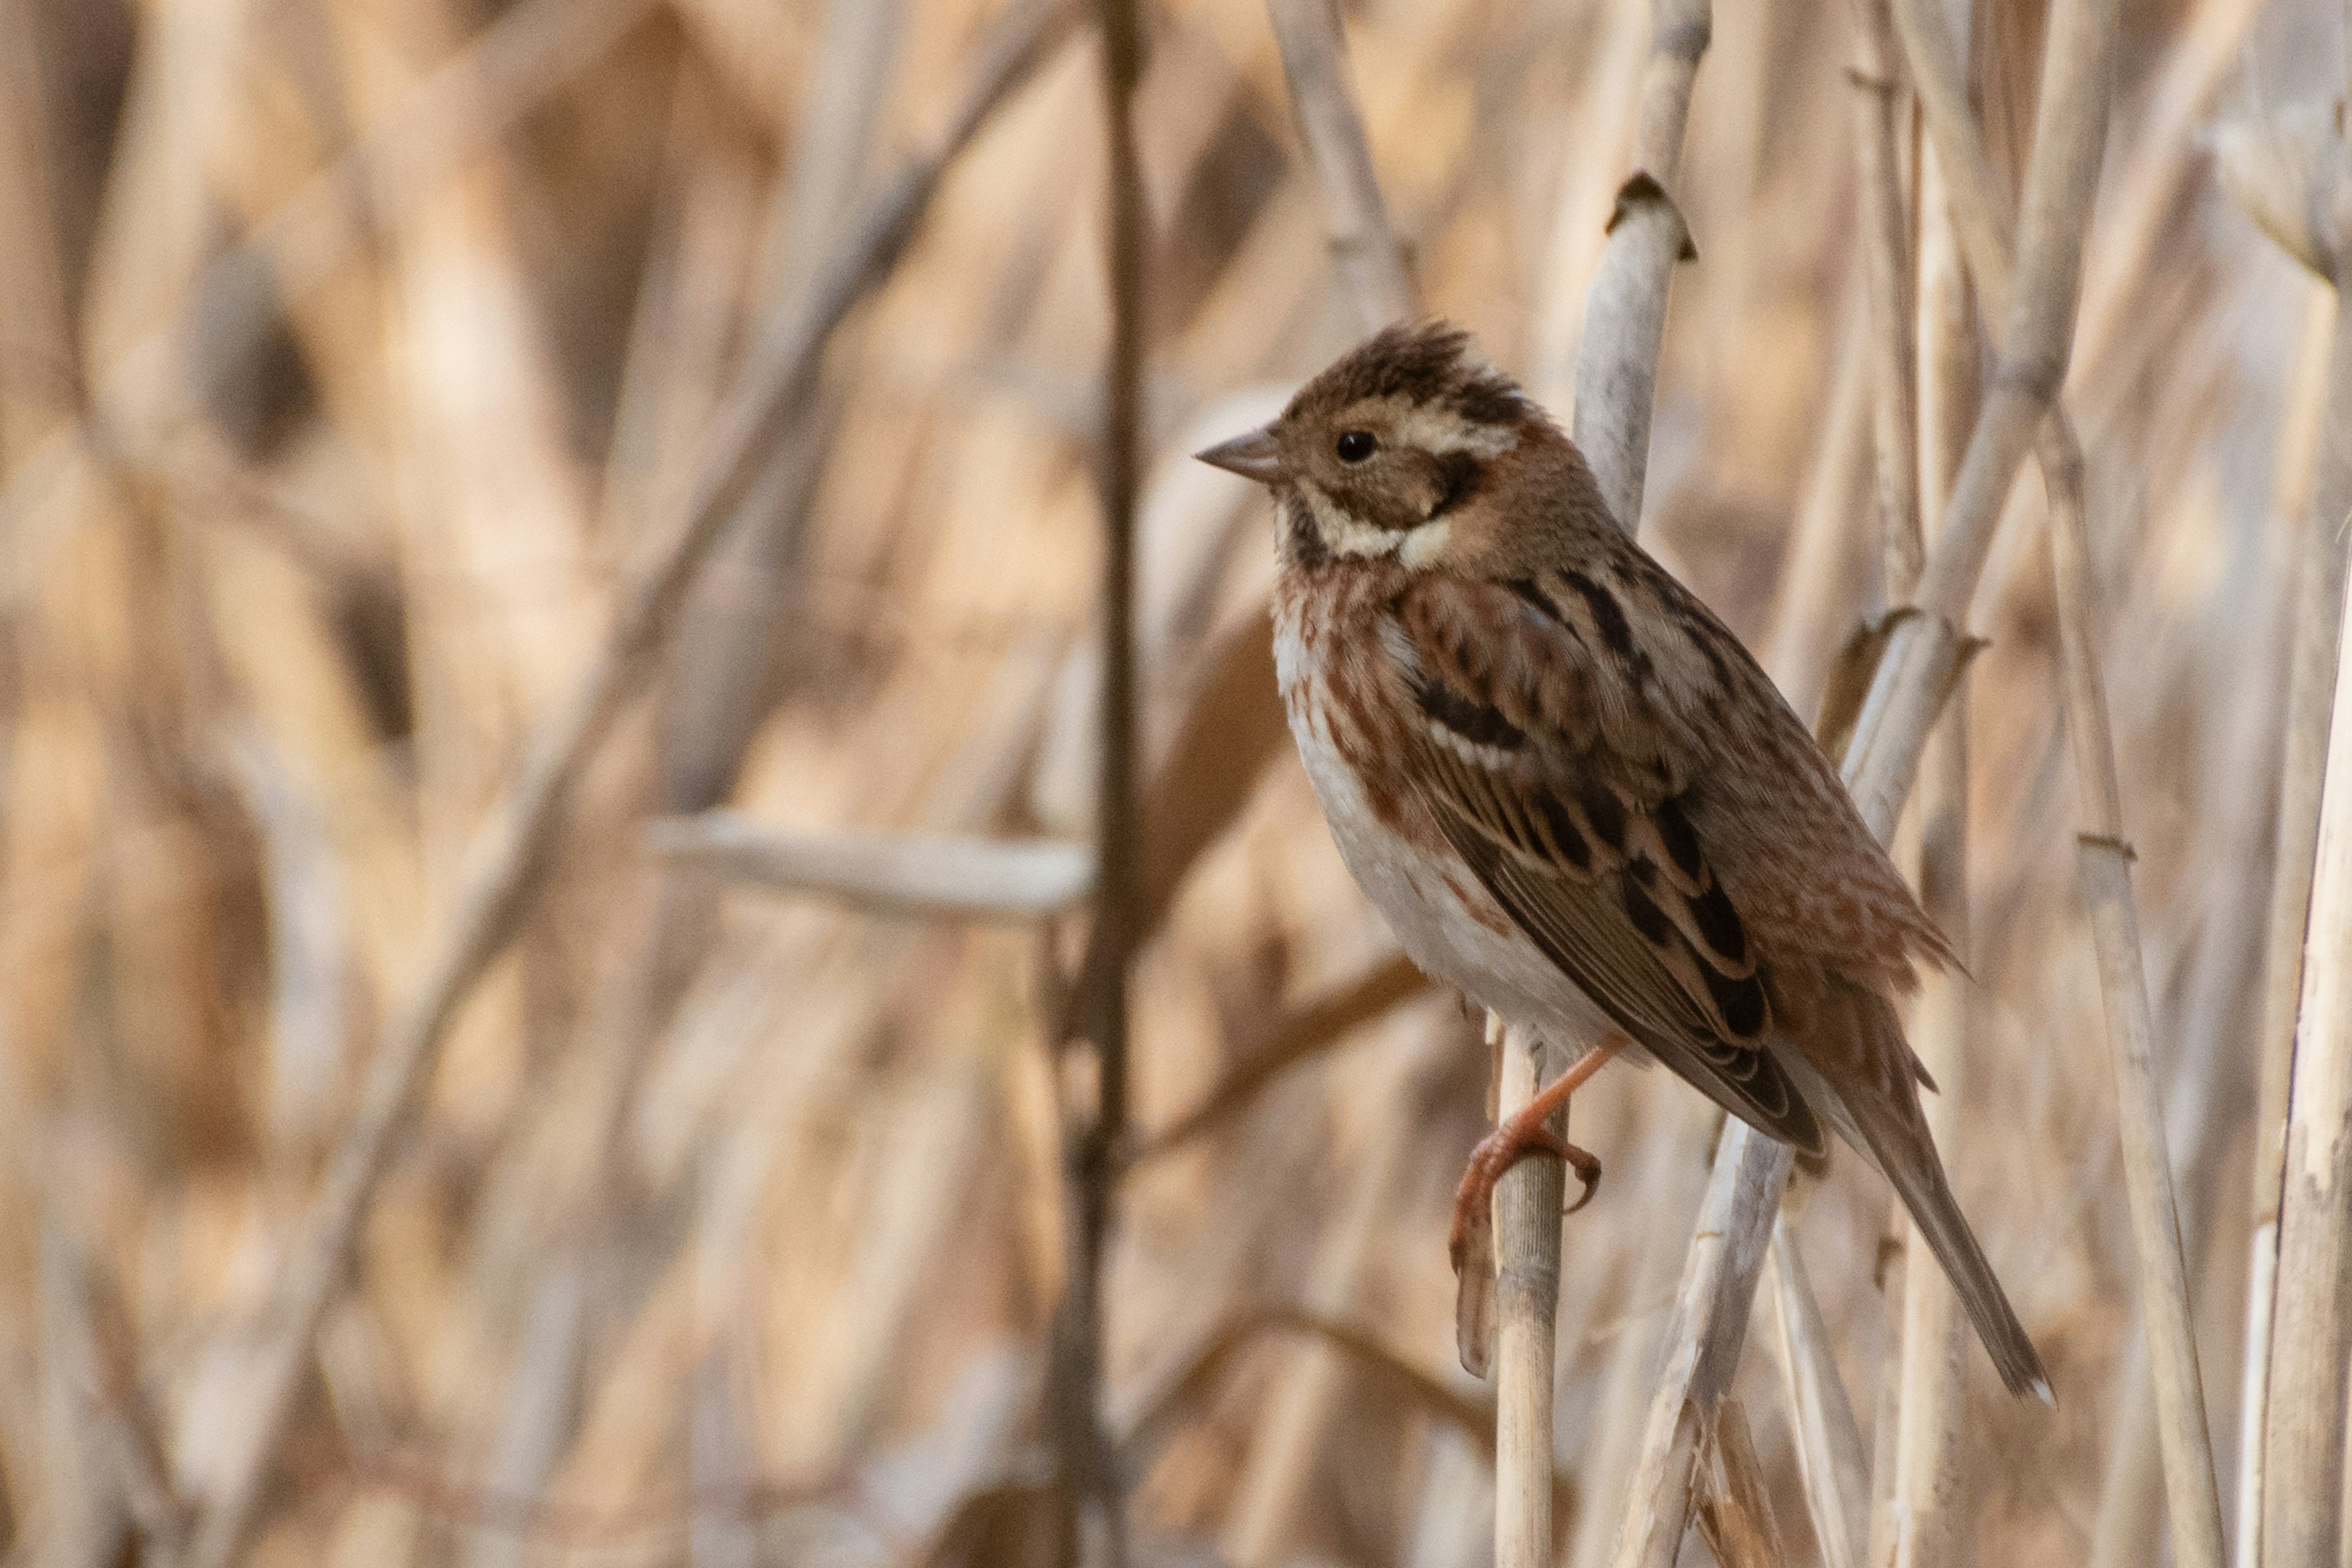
(1234, 724)
(1819, 575)
(1527, 1217)
(718, 668)
(1927, 1504)
(1704, 1337)
(2311, 1332)
(1887, 257)
(2167, 170)
(775, 390)
(2301, 195)
(2060, 183)
(720, 681)
(935, 875)
(1829, 1444)
(1365, 249)
(1735, 1512)
(2104, 873)
(1703, 1342)
(1830, 1459)
(1893, 1272)
(122, 1448)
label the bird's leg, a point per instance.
(1523, 1133)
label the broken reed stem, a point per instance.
(511, 853)
(1625, 310)
(1364, 248)
(1702, 1341)
(2302, 1497)
(1093, 1528)
(1735, 1512)
(2311, 695)
(924, 875)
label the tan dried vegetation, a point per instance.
(550, 731)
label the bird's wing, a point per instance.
(1520, 759)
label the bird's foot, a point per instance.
(1521, 1135)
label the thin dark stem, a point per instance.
(1093, 1524)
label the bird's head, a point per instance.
(1407, 449)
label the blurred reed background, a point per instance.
(357, 359)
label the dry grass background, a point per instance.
(732, 1225)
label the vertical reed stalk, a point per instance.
(1094, 1529)
(2104, 874)
(1526, 1303)
(2312, 221)
(1927, 1490)
(2311, 1333)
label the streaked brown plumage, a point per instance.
(1568, 786)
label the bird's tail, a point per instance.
(1883, 1120)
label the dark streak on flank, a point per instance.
(1703, 635)
(1474, 721)
(1535, 599)
(1608, 617)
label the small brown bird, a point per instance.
(1571, 791)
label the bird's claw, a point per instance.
(1496, 1152)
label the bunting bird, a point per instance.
(1573, 794)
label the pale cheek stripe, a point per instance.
(1414, 547)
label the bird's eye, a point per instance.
(1355, 446)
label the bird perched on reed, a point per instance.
(1573, 794)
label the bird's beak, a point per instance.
(1256, 456)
